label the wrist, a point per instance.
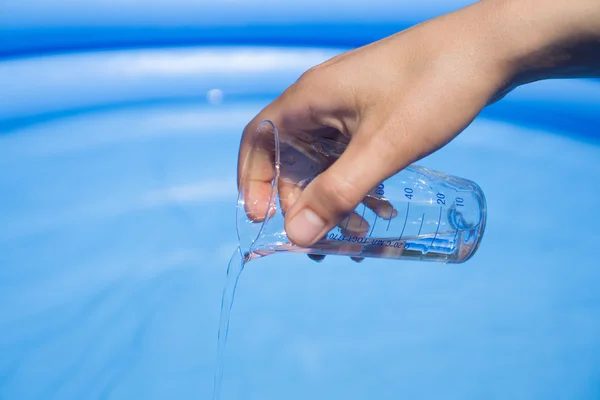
(539, 39)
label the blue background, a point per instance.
(119, 127)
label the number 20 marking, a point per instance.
(441, 199)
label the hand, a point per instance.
(401, 98)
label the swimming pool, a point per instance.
(115, 238)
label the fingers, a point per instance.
(288, 195)
(256, 170)
(334, 194)
(291, 114)
(380, 206)
(316, 257)
(319, 258)
(354, 224)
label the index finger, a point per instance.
(296, 116)
(256, 156)
(256, 169)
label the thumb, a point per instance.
(336, 192)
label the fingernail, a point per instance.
(305, 227)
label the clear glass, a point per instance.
(417, 214)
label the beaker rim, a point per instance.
(271, 205)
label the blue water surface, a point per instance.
(117, 174)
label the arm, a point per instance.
(407, 95)
(549, 39)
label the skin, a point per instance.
(401, 98)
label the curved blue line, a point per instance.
(17, 44)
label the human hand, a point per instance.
(395, 101)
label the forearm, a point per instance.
(549, 38)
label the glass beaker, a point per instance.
(417, 214)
